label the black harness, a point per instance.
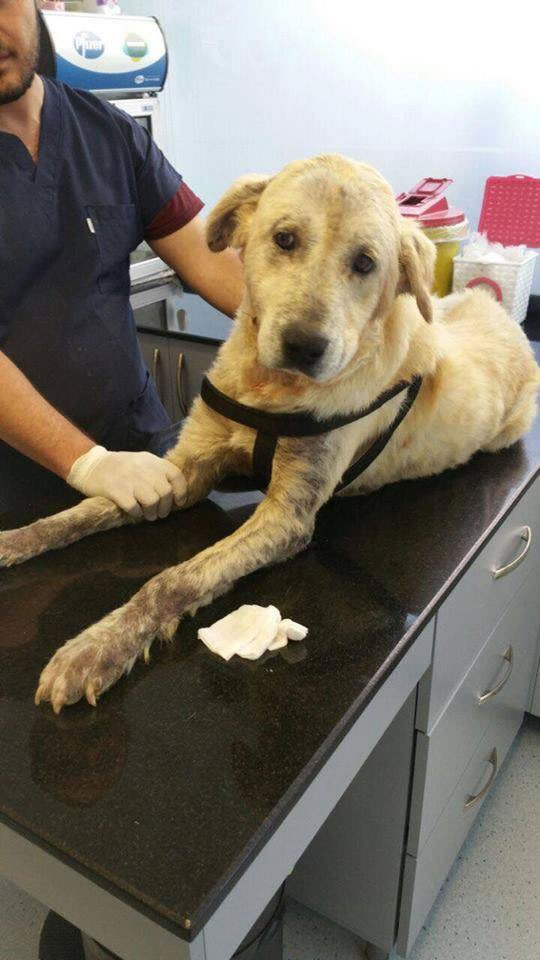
(270, 426)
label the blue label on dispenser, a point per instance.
(151, 78)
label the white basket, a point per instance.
(513, 279)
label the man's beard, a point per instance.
(28, 63)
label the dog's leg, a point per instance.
(59, 530)
(280, 527)
(201, 468)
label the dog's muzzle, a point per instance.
(302, 351)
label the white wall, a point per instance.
(418, 88)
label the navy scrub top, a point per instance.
(67, 228)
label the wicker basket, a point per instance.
(510, 282)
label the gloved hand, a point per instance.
(141, 484)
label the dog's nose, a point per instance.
(302, 350)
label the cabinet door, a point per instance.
(351, 871)
(534, 707)
(189, 361)
(155, 351)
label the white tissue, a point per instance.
(250, 631)
(268, 620)
(481, 250)
(294, 631)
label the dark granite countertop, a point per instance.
(166, 791)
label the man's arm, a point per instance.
(217, 277)
(139, 483)
(31, 425)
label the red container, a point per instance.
(446, 226)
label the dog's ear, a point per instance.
(228, 222)
(417, 263)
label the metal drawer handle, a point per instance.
(156, 358)
(526, 535)
(508, 655)
(478, 796)
(180, 366)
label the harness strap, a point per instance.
(380, 443)
(287, 424)
(270, 426)
(263, 458)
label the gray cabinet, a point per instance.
(177, 366)
(155, 351)
(351, 871)
(468, 615)
(534, 707)
(457, 763)
(189, 360)
(471, 703)
(469, 708)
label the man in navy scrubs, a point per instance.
(81, 185)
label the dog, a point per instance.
(337, 314)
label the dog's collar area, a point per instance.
(270, 426)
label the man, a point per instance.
(81, 184)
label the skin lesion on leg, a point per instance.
(93, 661)
(281, 526)
(60, 530)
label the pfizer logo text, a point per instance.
(88, 45)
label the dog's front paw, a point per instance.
(16, 546)
(83, 667)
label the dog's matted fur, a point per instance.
(337, 309)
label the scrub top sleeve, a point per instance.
(157, 180)
(184, 206)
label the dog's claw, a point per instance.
(168, 629)
(58, 702)
(85, 667)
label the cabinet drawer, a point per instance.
(424, 875)
(476, 604)
(504, 686)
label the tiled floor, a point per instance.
(488, 909)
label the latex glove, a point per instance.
(141, 484)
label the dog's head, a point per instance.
(325, 254)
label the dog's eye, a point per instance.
(285, 240)
(362, 263)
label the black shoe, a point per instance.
(60, 940)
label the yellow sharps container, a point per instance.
(446, 226)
